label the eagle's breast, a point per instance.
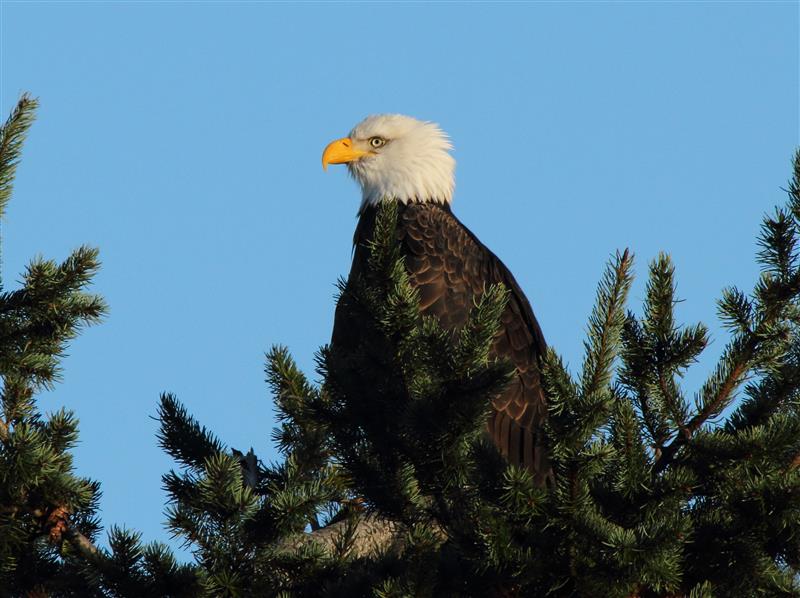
(451, 268)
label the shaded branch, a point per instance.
(83, 544)
(373, 534)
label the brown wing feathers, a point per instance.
(450, 267)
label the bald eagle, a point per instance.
(399, 158)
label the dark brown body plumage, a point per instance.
(450, 267)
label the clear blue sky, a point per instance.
(184, 140)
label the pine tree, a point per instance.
(39, 489)
(654, 495)
(48, 522)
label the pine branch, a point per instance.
(475, 337)
(605, 324)
(635, 376)
(56, 525)
(735, 310)
(667, 351)
(736, 362)
(183, 437)
(794, 187)
(296, 403)
(716, 394)
(12, 137)
(762, 335)
(730, 373)
(778, 242)
(576, 411)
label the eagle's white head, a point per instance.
(396, 157)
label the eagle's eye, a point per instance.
(377, 142)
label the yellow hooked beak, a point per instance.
(341, 151)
